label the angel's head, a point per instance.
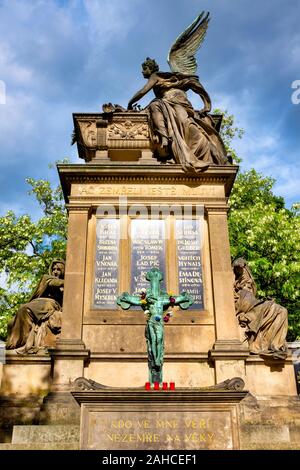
(149, 67)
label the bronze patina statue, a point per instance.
(28, 330)
(154, 302)
(178, 131)
(265, 322)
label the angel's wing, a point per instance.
(181, 57)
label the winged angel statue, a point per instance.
(178, 131)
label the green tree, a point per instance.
(267, 235)
(27, 247)
(264, 232)
(229, 131)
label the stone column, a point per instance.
(70, 353)
(228, 352)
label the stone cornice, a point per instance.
(141, 357)
(79, 207)
(142, 174)
(213, 208)
(12, 357)
(134, 395)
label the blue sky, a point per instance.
(59, 57)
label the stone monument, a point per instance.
(152, 193)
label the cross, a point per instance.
(154, 302)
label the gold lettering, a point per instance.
(190, 423)
(166, 424)
(143, 424)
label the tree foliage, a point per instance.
(264, 232)
(230, 131)
(27, 247)
(267, 235)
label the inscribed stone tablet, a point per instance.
(188, 241)
(106, 264)
(147, 251)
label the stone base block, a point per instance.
(132, 419)
(270, 423)
(23, 375)
(44, 434)
(20, 410)
(275, 377)
(60, 408)
(38, 446)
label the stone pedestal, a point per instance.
(161, 195)
(185, 419)
(125, 211)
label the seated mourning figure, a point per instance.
(179, 132)
(265, 322)
(38, 322)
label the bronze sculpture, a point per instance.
(155, 302)
(265, 322)
(177, 130)
(28, 330)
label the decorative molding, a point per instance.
(180, 395)
(84, 208)
(137, 173)
(235, 384)
(227, 350)
(230, 384)
(141, 357)
(81, 383)
(216, 209)
(12, 357)
(88, 133)
(145, 179)
(128, 130)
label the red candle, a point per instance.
(165, 386)
(172, 386)
(147, 386)
(156, 386)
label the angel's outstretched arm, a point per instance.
(139, 94)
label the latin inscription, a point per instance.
(106, 264)
(188, 241)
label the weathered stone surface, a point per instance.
(273, 377)
(38, 446)
(137, 419)
(270, 423)
(59, 408)
(25, 375)
(17, 409)
(140, 429)
(44, 434)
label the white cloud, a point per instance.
(110, 20)
(11, 71)
(59, 57)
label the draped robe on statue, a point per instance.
(27, 330)
(194, 141)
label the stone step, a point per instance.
(270, 436)
(36, 446)
(40, 435)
